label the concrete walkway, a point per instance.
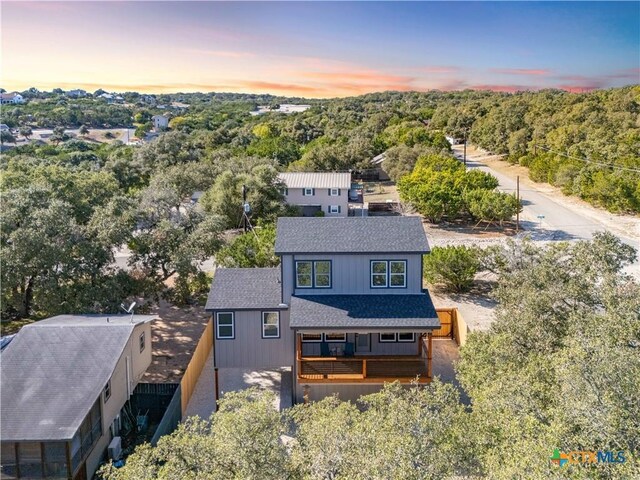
(203, 400)
(278, 380)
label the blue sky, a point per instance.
(320, 49)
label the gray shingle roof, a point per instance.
(363, 311)
(244, 288)
(54, 370)
(316, 179)
(350, 235)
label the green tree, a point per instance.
(491, 206)
(26, 132)
(6, 137)
(251, 249)
(83, 130)
(453, 267)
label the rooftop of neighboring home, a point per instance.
(316, 179)
(53, 371)
(350, 235)
(9, 96)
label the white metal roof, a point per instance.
(316, 179)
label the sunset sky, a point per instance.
(319, 49)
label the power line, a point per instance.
(586, 160)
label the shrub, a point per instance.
(491, 205)
(453, 267)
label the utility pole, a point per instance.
(518, 199)
(465, 148)
(244, 208)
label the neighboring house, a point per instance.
(14, 97)
(77, 93)
(345, 310)
(160, 122)
(64, 382)
(378, 166)
(4, 128)
(314, 192)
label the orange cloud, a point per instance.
(369, 76)
(521, 71)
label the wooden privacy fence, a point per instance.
(452, 324)
(194, 369)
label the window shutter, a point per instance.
(339, 208)
(313, 191)
(329, 191)
(338, 192)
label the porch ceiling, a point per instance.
(363, 312)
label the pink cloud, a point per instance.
(521, 71)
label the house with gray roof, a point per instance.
(345, 309)
(313, 192)
(63, 384)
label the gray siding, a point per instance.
(351, 274)
(377, 348)
(321, 197)
(249, 349)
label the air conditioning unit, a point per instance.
(115, 448)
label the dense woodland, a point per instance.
(68, 204)
(559, 369)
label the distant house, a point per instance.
(77, 93)
(378, 165)
(64, 382)
(283, 108)
(454, 140)
(345, 310)
(160, 122)
(14, 98)
(4, 127)
(318, 192)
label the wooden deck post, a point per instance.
(364, 368)
(429, 350)
(215, 373)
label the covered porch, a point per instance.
(349, 366)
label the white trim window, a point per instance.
(334, 192)
(397, 273)
(322, 274)
(225, 326)
(334, 208)
(335, 337)
(270, 324)
(311, 337)
(387, 338)
(308, 192)
(378, 274)
(406, 337)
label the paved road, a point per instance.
(559, 222)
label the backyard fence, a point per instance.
(452, 325)
(194, 369)
(170, 419)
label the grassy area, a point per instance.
(9, 327)
(380, 192)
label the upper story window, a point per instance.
(107, 391)
(313, 274)
(308, 192)
(388, 274)
(270, 324)
(285, 191)
(225, 325)
(334, 192)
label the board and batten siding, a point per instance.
(320, 197)
(351, 274)
(248, 349)
(312, 349)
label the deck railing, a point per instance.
(366, 368)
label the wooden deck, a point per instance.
(366, 368)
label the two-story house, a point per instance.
(64, 382)
(314, 192)
(345, 309)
